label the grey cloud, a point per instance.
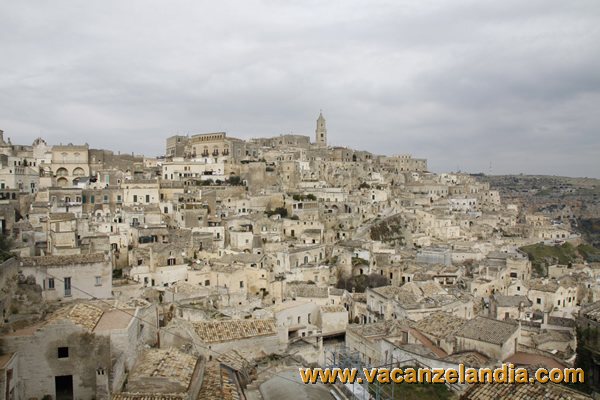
(462, 82)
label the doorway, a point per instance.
(64, 387)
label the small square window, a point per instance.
(98, 281)
(63, 352)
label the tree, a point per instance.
(5, 246)
(364, 185)
(282, 211)
(360, 283)
(235, 180)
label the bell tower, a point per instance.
(321, 132)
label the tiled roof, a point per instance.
(165, 363)
(51, 261)
(487, 330)
(511, 301)
(332, 309)
(148, 396)
(306, 290)
(469, 358)
(517, 391)
(552, 336)
(223, 331)
(591, 311)
(383, 328)
(233, 359)
(217, 384)
(440, 324)
(82, 314)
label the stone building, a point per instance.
(53, 357)
(81, 276)
(70, 162)
(496, 339)
(321, 131)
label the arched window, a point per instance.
(62, 172)
(62, 182)
(78, 172)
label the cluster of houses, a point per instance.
(216, 269)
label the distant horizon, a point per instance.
(120, 151)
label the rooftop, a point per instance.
(306, 290)
(148, 396)
(487, 330)
(332, 309)
(511, 301)
(57, 261)
(82, 314)
(224, 331)
(115, 319)
(440, 324)
(163, 365)
(377, 329)
(217, 384)
(516, 391)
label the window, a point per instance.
(63, 352)
(98, 281)
(67, 282)
(50, 283)
(119, 198)
(147, 198)
(171, 261)
(105, 199)
(92, 199)
(135, 198)
(538, 301)
(241, 284)
(207, 282)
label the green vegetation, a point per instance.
(360, 283)
(282, 211)
(389, 231)
(5, 246)
(235, 180)
(589, 253)
(412, 391)
(303, 197)
(542, 255)
(590, 229)
(358, 261)
(588, 343)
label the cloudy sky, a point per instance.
(465, 83)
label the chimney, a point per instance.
(102, 390)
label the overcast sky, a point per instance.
(464, 83)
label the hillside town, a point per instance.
(218, 269)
